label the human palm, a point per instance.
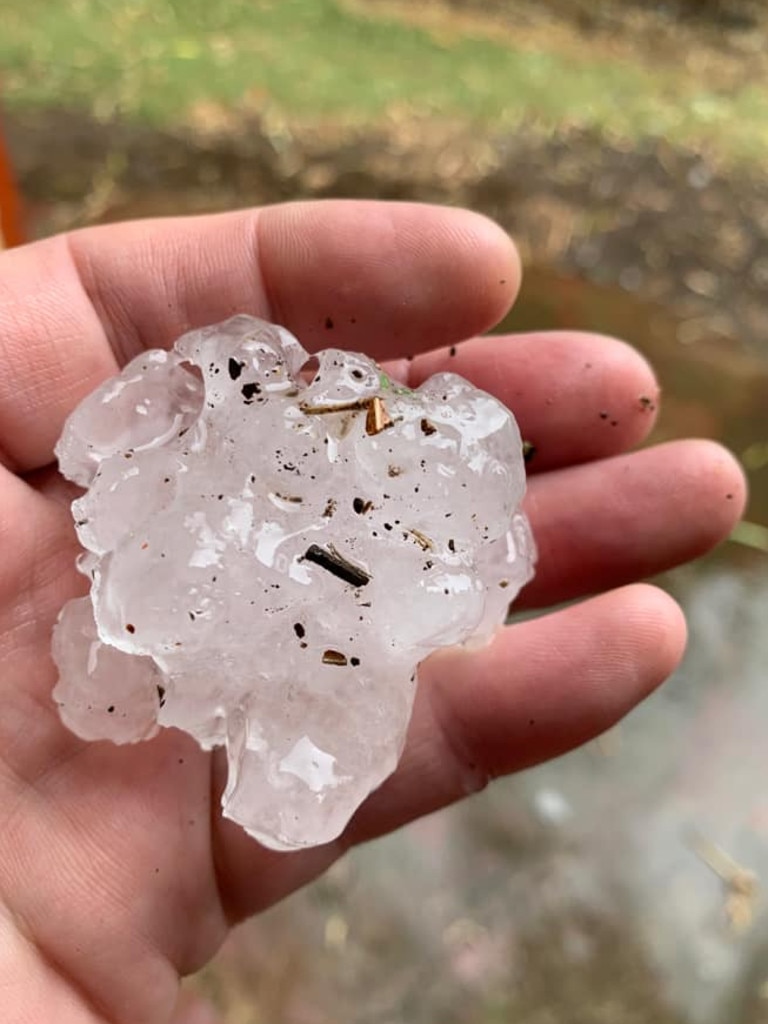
(117, 873)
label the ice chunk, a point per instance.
(271, 560)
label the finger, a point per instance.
(557, 384)
(383, 278)
(391, 278)
(540, 688)
(611, 522)
(575, 372)
(607, 523)
(575, 396)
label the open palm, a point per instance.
(117, 874)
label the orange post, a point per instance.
(11, 225)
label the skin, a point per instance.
(117, 874)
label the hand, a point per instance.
(117, 873)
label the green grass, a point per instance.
(157, 59)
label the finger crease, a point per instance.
(471, 776)
(275, 311)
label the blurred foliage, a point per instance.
(159, 60)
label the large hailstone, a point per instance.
(271, 560)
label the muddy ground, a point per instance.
(672, 227)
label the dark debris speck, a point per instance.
(249, 390)
(529, 451)
(331, 657)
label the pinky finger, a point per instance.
(540, 689)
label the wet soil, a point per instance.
(715, 20)
(666, 225)
(723, 42)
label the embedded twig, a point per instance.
(337, 565)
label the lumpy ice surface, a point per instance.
(270, 561)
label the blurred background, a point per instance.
(625, 145)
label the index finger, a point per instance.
(385, 278)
